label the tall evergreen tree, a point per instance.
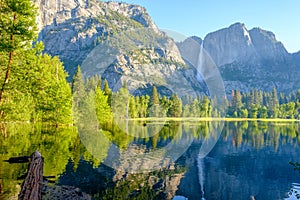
(154, 108)
(77, 86)
(17, 30)
(176, 106)
(155, 96)
(102, 108)
(78, 93)
(274, 104)
(236, 102)
(120, 102)
(107, 91)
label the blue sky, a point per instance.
(199, 17)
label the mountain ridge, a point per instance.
(247, 59)
(251, 59)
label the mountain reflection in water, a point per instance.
(249, 159)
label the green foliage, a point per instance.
(120, 103)
(51, 92)
(261, 104)
(102, 108)
(17, 24)
(155, 96)
(37, 90)
(34, 86)
(175, 109)
(17, 30)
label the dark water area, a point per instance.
(250, 160)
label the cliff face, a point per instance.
(116, 40)
(229, 44)
(79, 31)
(236, 43)
(251, 59)
(71, 29)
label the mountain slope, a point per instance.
(247, 59)
(71, 29)
(117, 41)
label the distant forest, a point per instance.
(121, 104)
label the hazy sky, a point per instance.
(199, 17)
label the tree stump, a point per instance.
(32, 186)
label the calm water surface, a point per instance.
(249, 160)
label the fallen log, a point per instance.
(32, 186)
(22, 159)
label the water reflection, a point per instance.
(250, 159)
(147, 151)
(294, 192)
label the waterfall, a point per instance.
(200, 166)
(200, 64)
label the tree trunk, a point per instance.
(10, 60)
(32, 186)
(1, 187)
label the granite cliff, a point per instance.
(80, 32)
(250, 59)
(119, 41)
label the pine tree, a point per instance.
(102, 108)
(176, 106)
(155, 96)
(194, 108)
(17, 30)
(77, 87)
(107, 91)
(120, 102)
(186, 110)
(274, 104)
(52, 95)
(133, 111)
(205, 108)
(154, 109)
(236, 102)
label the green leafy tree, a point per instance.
(107, 91)
(144, 101)
(244, 113)
(154, 107)
(164, 105)
(92, 83)
(274, 104)
(254, 111)
(205, 107)
(236, 102)
(17, 30)
(186, 111)
(155, 96)
(120, 102)
(176, 106)
(51, 92)
(102, 108)
(133, 108)
(194, 108)
(78, 92)
(263, 112)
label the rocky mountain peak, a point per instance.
(72, 29)
(59, 11)
(229, 44)
(132, 11)
(267, 47)
(250, 59)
